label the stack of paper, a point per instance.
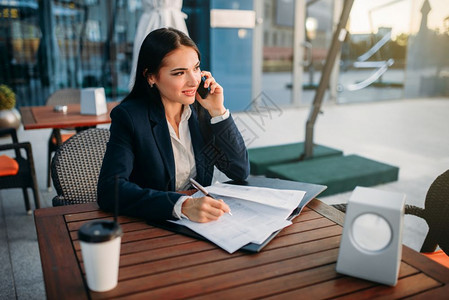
(256, 213)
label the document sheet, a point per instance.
(256, 213)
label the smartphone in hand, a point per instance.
(202, 91)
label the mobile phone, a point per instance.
(202, 90)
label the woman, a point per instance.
(163, 133)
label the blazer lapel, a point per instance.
(199, 148)
(162, 138)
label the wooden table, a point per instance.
(155, 263)
(38, 117)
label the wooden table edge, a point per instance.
(61, 263)
(327, 211)
(64, 210)
(28, 119)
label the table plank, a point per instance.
(437, 293)
(405, 287)
(198, 279)
(161, 253)
(87, 216)
(274, 286)
(66, 210)
(217, 255)
(126, 226)
(134, 231)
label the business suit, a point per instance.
(140, 153)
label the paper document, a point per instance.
(256, 214)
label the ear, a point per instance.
(150, 79)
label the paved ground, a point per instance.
(411, 134)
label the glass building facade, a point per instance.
(394, 49)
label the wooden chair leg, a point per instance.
(37, 201)
(49, 170)
(27, 201)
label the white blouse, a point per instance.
(183, 151)
(184, 156)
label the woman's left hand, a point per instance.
(214, 102)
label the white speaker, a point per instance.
(93, 101)
(371, 244)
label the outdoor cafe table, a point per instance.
(158, 264)
(39, 117)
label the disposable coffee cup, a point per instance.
(100, 248)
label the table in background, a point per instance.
(155, 263)
(39, 117)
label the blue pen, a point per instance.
(200, 188)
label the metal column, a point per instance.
(337, 40)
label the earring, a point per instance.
(151, 84)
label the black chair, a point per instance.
(21, 173)
(76, 166)
(436, 215)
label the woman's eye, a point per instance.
(178, 74)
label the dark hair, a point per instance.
(155, 47)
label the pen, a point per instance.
(200, 188)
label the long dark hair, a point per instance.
(155, 47)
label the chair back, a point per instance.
(19, 171)
(436, 214)
(64, 97)
(76, 166)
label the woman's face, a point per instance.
(179, 76)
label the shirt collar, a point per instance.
(186, 113)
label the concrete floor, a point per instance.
(411, 134)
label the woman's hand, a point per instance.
(204, 209)
(214, 101)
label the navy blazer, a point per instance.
(140, 152)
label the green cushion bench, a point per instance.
(339, 173)
(262, 158)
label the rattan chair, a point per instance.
(60, 97)
(76, 166)
(436, 215)
(21, 173)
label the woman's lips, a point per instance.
(189, 92)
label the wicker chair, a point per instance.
(76, 165)
(60, 97)
(21, 173)
(436, 215)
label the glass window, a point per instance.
(395, 49)
(231, 57)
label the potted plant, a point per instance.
(9, 116)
